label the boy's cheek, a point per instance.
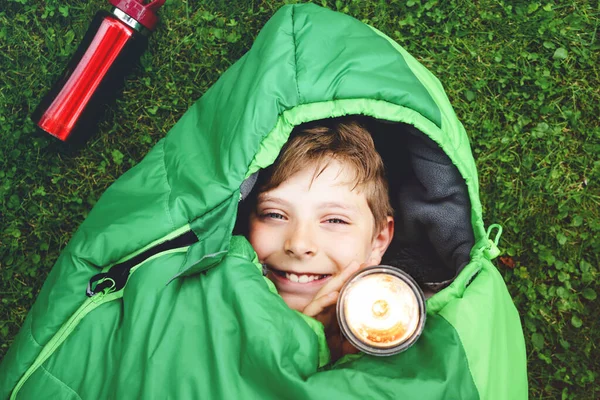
(253, 231)
(259, 239)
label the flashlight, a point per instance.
(381, 310)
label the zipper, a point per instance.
(115, 278)
(109, 286)
(88, 305)
(176, 233)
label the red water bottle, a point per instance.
(96, 72)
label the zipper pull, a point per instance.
(89, 292)
(492, 251)
(112, 280)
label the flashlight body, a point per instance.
(93, 77)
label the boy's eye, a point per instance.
(336, 221)
(272, 215)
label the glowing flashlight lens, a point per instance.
(381, 311)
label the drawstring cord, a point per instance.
(492, 251)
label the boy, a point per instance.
(321, 213)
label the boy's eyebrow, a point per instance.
(334, 204)
(263, 197)
(327, 204)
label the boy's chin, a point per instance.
(295, 301)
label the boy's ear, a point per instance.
(381, 241)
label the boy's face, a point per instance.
(307, 233)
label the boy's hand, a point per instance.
(322, 308)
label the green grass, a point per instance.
(522, 76)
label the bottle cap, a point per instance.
(145, 14)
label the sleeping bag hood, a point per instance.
(155, 297)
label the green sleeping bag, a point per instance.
(177, 306)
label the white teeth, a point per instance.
(302, 278)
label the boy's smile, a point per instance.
(306, 231)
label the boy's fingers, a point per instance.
(336, 283)
(328, 295)
(319, 304)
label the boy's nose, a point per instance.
(300, 243)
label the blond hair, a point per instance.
(344, 140)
